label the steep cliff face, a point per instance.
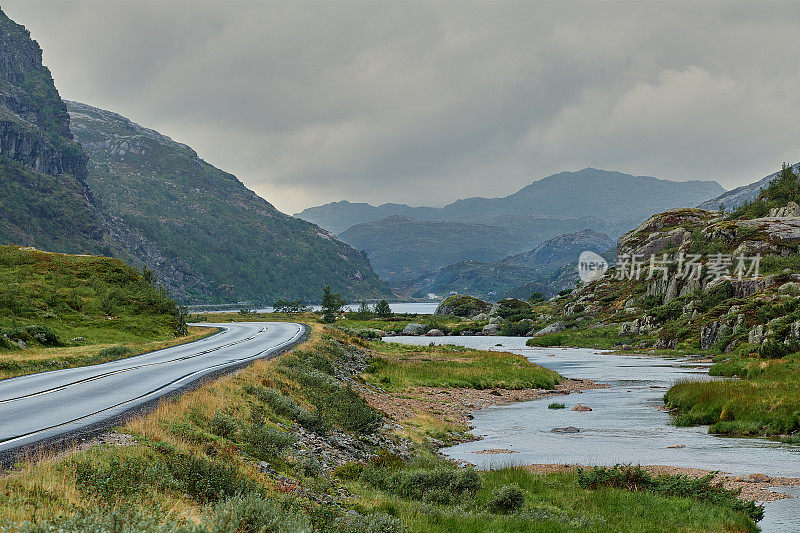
(206, 235)
(44, 198)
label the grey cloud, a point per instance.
(425, 103)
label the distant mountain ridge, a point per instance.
(401, 248)
(619, 200)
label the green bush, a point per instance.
(252, 513)
(114, 352)
(205, 480)
(353, 522)
(267, 443)
(508, 499)
(223, 425)
(441, 484)
(556, 405)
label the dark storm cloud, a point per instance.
(425, 103)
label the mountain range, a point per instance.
(613, 201)
(130, 192)
(408, 245)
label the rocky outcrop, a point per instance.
(640, 326)
(791, 210)
(555, 327)
(44, 200)
(414, 328)
(463, 306)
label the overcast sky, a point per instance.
(425, 103)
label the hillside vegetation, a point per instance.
(207, 237)
(59, 310)
(291, 444)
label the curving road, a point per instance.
(53, 404)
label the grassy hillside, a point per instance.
(60, 310)
(206, 235)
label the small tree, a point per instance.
(332, 304)
(537, 297)
(364, 312)
(382, 309)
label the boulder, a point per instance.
(491, 329)
(435, 333)
(581, 407)
(414, 328)
(756, 335)
(555, 327)
(482, 317)
(792, 210)
(568, 429)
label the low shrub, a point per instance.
(442, 484)
(246, 513)
(267, 443)
(556, 405)
(222, 424)
(508, 499)
(114, 352)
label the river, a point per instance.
(624, 426)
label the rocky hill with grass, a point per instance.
(44, 198)
(50, 299)
(728, 282)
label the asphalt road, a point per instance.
(49, 405)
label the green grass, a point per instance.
(70, 310)
(765, 402)
(604, 337)
(401, 366)
(557, 502)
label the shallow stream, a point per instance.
(625, 425)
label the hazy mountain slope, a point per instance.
(746, 193)
(618, 201)
(400, 248)
(207, 236)
(44, 200)
(563, 250)
(548, 268)
(338, 216)
(476, 278)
